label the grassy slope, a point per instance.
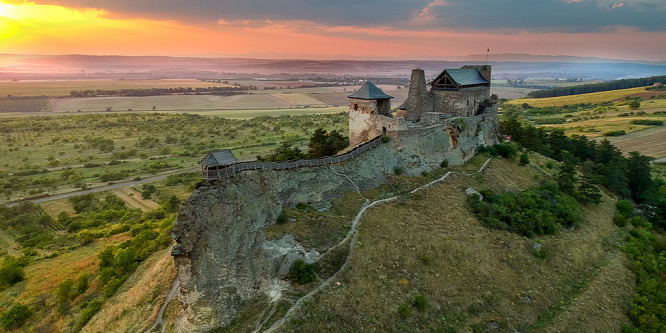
(475, 276)
(134, 307)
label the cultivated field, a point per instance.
(63, 88)
(169, 103)
(650, 142)
(593, 98)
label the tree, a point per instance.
(566, 177)
(588, 192)
(15, 317)
(639, 176)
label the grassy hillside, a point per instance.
(425, 263)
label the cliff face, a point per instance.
(222, 255)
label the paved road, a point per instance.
(105, 188)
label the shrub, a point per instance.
(420, 303)
(302, 272)
(615, 133)
(624, 208)
(397, 171)
(86, 314)
(15, 317)
(647, 122)
(524, 160)
(10, 272)
(444, 164)
(403, 310)
(282, 218)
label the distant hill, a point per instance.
(505, 66)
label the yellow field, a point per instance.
(597, 127)
(62, 88)
(298, 99)
(598, 97)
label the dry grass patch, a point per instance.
(134, 307)
(431, 245)
(319, 230)
(55, 207)
(650, 142)
(133, 199)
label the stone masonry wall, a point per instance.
(463, 103)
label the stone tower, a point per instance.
(417, 101)
(365, 105)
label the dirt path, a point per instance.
(352, 234)
(134, 199)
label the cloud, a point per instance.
(459, 15)
(425, 12)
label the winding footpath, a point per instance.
(352, 234)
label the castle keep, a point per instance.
(454, 94)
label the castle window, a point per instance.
(468, 102)
(355, 107)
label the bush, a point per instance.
(282, 218)
(647, 122)
(403, 310)
(10, 272)
(444, 164)
(615, 133)
(15, 317)
(302, 272)
(624, 208)
(86, 314)
(420, 303)
(397, 171)
(524, 160)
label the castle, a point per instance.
(454, 93)
(222, 254)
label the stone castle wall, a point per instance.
(462, 103)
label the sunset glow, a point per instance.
(33, 28)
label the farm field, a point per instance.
(594, 98)
(63, 88)
(650, 142)
(171, 102)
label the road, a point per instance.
(104, 188)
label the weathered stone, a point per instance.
(470, 191)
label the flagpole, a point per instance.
(487, 52)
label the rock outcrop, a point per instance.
(222, 255)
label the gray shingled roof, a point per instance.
(219, 158)
(369, 91)
(466, 76)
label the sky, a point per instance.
(336, 29)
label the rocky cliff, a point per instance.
(222, 255)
